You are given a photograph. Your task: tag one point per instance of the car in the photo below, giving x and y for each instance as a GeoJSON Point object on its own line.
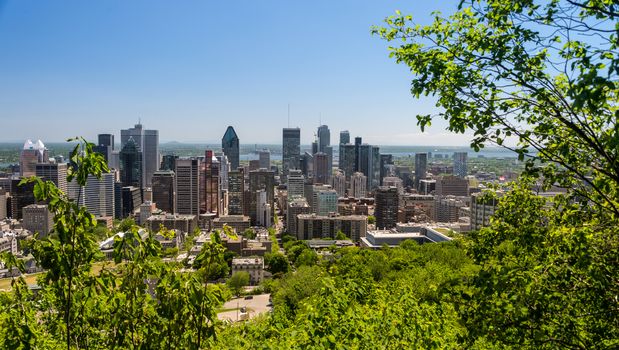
{"type": "Point", "coordinates": [249, 297]}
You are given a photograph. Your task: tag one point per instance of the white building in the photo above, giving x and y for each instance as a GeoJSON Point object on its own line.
{"type": "Point", "coordinates": [253, 266]}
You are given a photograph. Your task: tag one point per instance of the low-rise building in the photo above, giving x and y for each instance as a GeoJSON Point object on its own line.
{"type": "Point", "coordinates": [238, 223]}
{"type": "Point", "coordinates": [310, 226]}
{"type": "Point", "coordinates": [183, 222]}
{"type": "Point", "coordinates": [37, 219]}
{"type": "Point", "coordinates": [421, 233]}
{"type": "Point", "coordinates": [254, 266]}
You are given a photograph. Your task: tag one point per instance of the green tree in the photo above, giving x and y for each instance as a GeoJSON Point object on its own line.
{"type": "Point", "coordinates": [277, 263]}
{"type": "Point", "coordinates": [249, 233]}
{"type": "Point", "coordinates": [237, 281]}
{"type": "Point", "coordinates": [371, 219]}
{"type": "Point", "coordinates": [340, 235]}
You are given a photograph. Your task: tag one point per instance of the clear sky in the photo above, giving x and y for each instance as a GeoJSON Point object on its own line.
{"type": "Point", "coordinates": [191, 68]}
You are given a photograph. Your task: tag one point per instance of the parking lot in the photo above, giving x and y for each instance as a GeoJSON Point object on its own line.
{"type": "Point", "coordinates": [254, 306]}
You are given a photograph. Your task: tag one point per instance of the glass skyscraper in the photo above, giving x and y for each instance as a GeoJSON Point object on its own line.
{"type": "Point", "coordinates": [230, 147]}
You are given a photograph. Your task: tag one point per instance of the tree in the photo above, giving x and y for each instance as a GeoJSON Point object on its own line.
{"type": "Point", "coordinates": [371, 219]}
{"type": "Point", "coordinates": [538, 77]}
{"type": "Point", "coordinates": [340, 235]}
{"type": "Point", "coordinates": [277, 263]}
{"type": "Point", "coordinates": [249, 233]}
{"type": "Point", "coordinates": [237, 281]}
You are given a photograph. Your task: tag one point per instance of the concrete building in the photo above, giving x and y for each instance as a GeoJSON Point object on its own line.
{"type": "Point", "coordinates": [291, 150]}
{"type": "Point", "coordinates": [146, 210]}
{"type": "Point", "coordinates": [188, 186]}
{"type": "Point", "coordinates": [427, 186]}
{"type": "Point", "coordinates": [387, 205]}
{"type": "Point", "coordinates": [311, 226]}
{"type": "Point", "coordinates": [183, 223]}
{"type": "Point", "coordinates": [448, 208]}
{"type": "Point", "coordinates": [238, 223]}
{"type": "Point", "coordinates": [392, 181]}
{"type": "Point", "coordinates": [261, 180]}
{"type": "Point", "coordinates": [164, 190]}
{"type": "Point", "coordinates": [211, 183]}
{"type": "Point", "coordinates": [3, 206]}
{"type": "Point", "coordinates": [38, 219]}
{"type": "Point", "coordinates": [295, 207]}
{"type": "Point", "coordinates": [421, 233]}
{"type": "Point", "coordinates": [482, 208]}
{"type": "Point", "coordinates": [452, 186]}
{"type": "Point", "coordinates": [322, 171]}
{"type": "Point", "coordinates": [347, 161]}
{"type": "Point", "coordinates": [54, 172]}
{"type": "Point", "coordinates": [147, 144]}
{"type": "Point", "coordinates": [358, 185]}
{"type": "Point", "coordinates": [421, 166]}
{"type": "Point", "coordinates": [99, 195]}
{"type": "Point", "coordinates": [8, 242]}
{"type": "Point", "coordinates": [296, 182]}
{"type": "Point", "coordinates": [253, 266]}
{"type": "Point", "coordinates": [31, 155]}
{"type": "Point", "coordinates": [338, 181]}
{"type": "Point", "coordinates": [264, 209]}
{"type": "Point", "coordinates": [236, 190]}
{"type": "Point", "coordinates": [230, 146]}
{"type": "Point", "coordinates": [264, 159]}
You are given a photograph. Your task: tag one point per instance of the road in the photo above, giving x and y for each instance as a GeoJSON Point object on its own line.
{"type": "Point", "coordinates": [255, 307]}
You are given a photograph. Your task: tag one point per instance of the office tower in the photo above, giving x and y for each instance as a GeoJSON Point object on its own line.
{"type": "Point", "coordinates": [386, 211]}
{"type": "Point", "coordinates": [295, 207]}
{"type": "Point", "coordinates": [131, 164]}
{"type": "Point", "coordinates": [338, 182]}
{"type": "Point", "coordinates": [329, 152]}
{"type": "Point", "coordinates": [105, 146]}
{"type": "Point", "coordinates": [230, 146]}
{"type": "Point", "coordinates": [347, 159]}
{"type": "Point", "coordinates": [54, 172]}
{"type": "Point", "coordinates": [187, 186]}
{"type": "Point", "coordinates": [21, 196]}
{"type": "Point", "coordinates": [99, 195]}
{"type": "Point", "coordinates": [224, 170]}
{"type": "Point", "coordinates": [367, 164]}
{"type": "Point", "coordinates": [307, 164]}
{"type": "Point", "coordinates": [291, 149]}
{"type": "Point", "coordinates": [76, 193]}
{"type": "Point", "coordinates": [482, 208]}
{"type": "Point", "coordinates": [386, 163]}
{"type": "Point", "coordinates": [168, 162]}
{"type": "Point", "coordinates": [136, 133]}
{"type": "Point", "coordinates": [314, 147]}
{"type": "Point", "coordinates": [452, 186]}
{"type": "Point", "coordinates": [38, 220]}
{"type": "Point", "coordinates": [236, 190]}
{"type": "Point", "coordinates": [264, 209]}
{"type": "Point", "coordinates": [295, 186]}
{"type": "Point", "coordinates": [460, 164]}
{"type": "Point", "coordinates": [344, 137]}
{"type": "Point", "coordinates": [3, 211]}
{"type": "Point", "coordinates": [321, 168]}
{"type": "Point", "coordinates": [261, 180]}
{"type": "Point", "coordinates": [114, 161]}
{"type": "Point", "coordinates": [254, 164]}
{"type": "Point", "coordinates": [31, 155]}
{"type": "Point", "coordinates": [150, 155]}
{"type": "Point", "coordinates": [375, 181]}
{"type": "Point", "coordinates": [324, 138]}
{"type": "Point", "coordinates": [447, 209]}
{"type": "Point", "coordinates": [164, 190]}
{"type": "Point", "coordinates": [421, 165]}
{"type": "Point", "coordinates": [357, 152]}
{"type": "Point", "coordinates": [324, 201]}
{"type": "Point", "coordinates": [264, 158]}
{"type": "Point", "coordinates": [106, 140]}
{"type": "Point", "coordinates": [131, 200]}
{"type": "Point", "coordinates": [118, 200]}
{"type": "Point", "coordinates": [211, 190]}
{"type": "Point", "coordinates": [358, 185]}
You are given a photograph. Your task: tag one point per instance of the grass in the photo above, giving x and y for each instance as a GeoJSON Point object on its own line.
{"type": "Point", "coordinates": [5, 283]}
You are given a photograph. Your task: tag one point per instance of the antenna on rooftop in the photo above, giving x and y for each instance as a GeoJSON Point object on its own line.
{"type": "Point", "coordinates": [319, 118]}
{"type": "Point", "coordinates": [289, 115]}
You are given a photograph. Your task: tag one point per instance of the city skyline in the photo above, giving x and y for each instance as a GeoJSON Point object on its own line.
{"type": "Point", "coordinates": [320, 59]}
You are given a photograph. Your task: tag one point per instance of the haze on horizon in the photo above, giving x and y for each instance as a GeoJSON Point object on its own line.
{"type": "Point", "coordinates": [190, 69]}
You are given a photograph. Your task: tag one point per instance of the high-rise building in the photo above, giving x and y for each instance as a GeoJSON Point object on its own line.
{"type": "Point", "coordinates": [3, 207]}
{"type": "Point", "coordinates": [230, 146]}
{"type": "Point", "coordinates": [54, 172]}
{"type": "Point", "coordinates": [460, 164]}
{"type": "Point", "coordinates": [321, 168]}
{"type": "Point", "coordinates": [164, 190]}
{"type": "Point", "coordinates": [358, 185]}
{"type": "Point", "coordinates": [296, 207]}
{"type": "Point", "coordinates": [131, 165]}
{"type": "Point", "coordinates": [311, 226]}
{"type": "Point", "coordinates": [324, 138]}
{"type": "Point", "coordinates": [344, 137]}
{"type": "Point", "coordinates": [387, 203]}
{"type": "Point", "coordinates": [212, 188]}
{"type": "Point", "coordinates": [136, 133]}
{"type": "Point", "coordinates": [261, 180]}
{"type": "Point", "coordinates": [324, 202]}
{"type": "Point", "coordinates": [358, 143]}
{"type": "Point", "coordinates": [168, 162]}
{"type": "Point", "coordinates": [375, 168]}
{"type": "Point", "coordinates": [150, 155]}
{"type": "Point", "coordinates": [105, 146]}
{"type": "Point", "coordinates": [482, 208]}
{"type": "Point", "coordinates": [421, 166]}
{"type": "Point", "coordinates": [307, 164]}
{"type": "Point", "coordinates": [236, 190]}
{"type": "Point", "coordinates": [264, 158]}
{"type": "Point", "coordinates": [386, 162]}
{"type": "Point", "coordinates": [188, 186]}
{"type": "Point", "coordinates": [131, 200]}
{"type": "Point", "coordinates": [369, 164]}
{"type": "Point", "coordinates": [347, 159]}
{"type": "Point", "coordinates": [21, 196]}
{"type": "Point", "coordinates": [338, 181]}
{"type": "Point", "coordinates": [264, 209]}
{"type": "Point", "coordinates": [106, 140]}
{"type": "Point", "coordinates": [392, 181]}
{"type": "Point", "coordinates": [291, 150]}
{"type": "Point", "coordinates": [295, 186]}
{"type": "Point", "coordinates": [99, 195]}
{"type": "Point", "coordinates": [31, 155]}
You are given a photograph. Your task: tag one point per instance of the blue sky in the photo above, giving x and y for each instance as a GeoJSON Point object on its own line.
{"type": "Point", "coordinates": [191, 68]}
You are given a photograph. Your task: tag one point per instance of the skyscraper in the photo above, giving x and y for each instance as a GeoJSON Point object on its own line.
{"type": "Point", "coordinates": [347, 159]}
{"type": "Point", "coordinates": [324, 202]}
{"type": "Point", "coordinates": [321, 168]}
{"type": "Point", "coordinates": [324, 138]}
{"type": "Point", "coordinates": [338, 181]}
{"type": "Point", "coordinates": [31, 155]}
{"type": "Point", "coordinates": [386, 211]}
{"type": "Point", "coordinates": [164, 190]}
{"type": "Point", "coordinates": [131, 165]}
{"type": "Point", "coordinates": [212, 182]}
{"type": "Point", "coordinates": [291, 149]}
{"type": "Point", "coordinates": [54, 172]}
{"type": "Point", "coordinates": [99, 195]}
{"type": "Point", "coordinates": [105, 146]}
{"type": "Point", "coordinates": [460, 164]}
{"type": "Point", "coordinates": [150, 155]}
{"type": "Point", "coordinates": [264, 158]}
{"type": "Point", "coordinates": [168, 162]}
{"type": "Point", "coordinates": [358, 185]}
{"type": "Point", "coordinates": [307, 164]}
{"type": "Point", "coordinates": [188, 186]}
{"type": "Point", "coordinates": [344, 137]}
{"type": "Point", "coordinates": [295, 186]}
{"type": "Point", "coordinates": [230, 147]}
{"type": "Point", "coordinates": [236, 190]}
{"type": "Point", "coordinates": [386, 161]}
{"type": "Point", "coordinates": [421, 165]}
{"type": "Point", "coordinates": [357, 152]}
{"type": "Point", "coordinates": [261, 180]}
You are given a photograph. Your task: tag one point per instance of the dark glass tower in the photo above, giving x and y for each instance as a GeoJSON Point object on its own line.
{"type": "Point", "coordinates": [131, 164]}
{"type": "Point", "coordinates": [230, 147]}
{"type": "Point", "coordinates": [291, 149]}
